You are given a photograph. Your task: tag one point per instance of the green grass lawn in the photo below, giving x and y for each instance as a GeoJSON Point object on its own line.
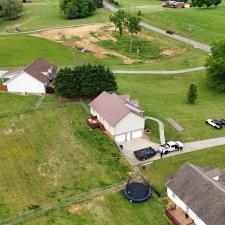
{"type": "Point", "coordinates": [45, 14]}
{"type": "Point", "coordinates": [51, 154]}
{"type": "Point", "coordinates": [12, 102]}
{"type": "Point", "coordinates": [160, 171]}
{"type": "Point", "coordinates": [178, 20]}
{"type": "Point", "coordinates": [111, 209]}
{"type": "Point", "coordinates": [165, 96]}
{"type": "Point", "coordinates": [20, 50]}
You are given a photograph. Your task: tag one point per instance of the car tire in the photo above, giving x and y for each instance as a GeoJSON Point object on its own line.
{"type": "Point", "coordinates": [206, 122]}
{"type": "Point", "coordinates": [181, 149]}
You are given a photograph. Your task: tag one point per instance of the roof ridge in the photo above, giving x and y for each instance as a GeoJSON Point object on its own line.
{"type": "Point", "coordinates": [26, 67]}
{"type": "Point", "coordinates": [195, 167]}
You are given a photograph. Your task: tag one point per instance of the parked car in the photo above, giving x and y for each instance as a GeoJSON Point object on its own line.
{"type": "Point", "coordinates": [213, 123]}
{"type": "Point", "coordinates": [171, 146]}
{"type": "Point", "coordinates": [145, 153]}
{"type": "Point", "coordinates": [170, 32]}
{"type": "Point", "coordinates": [222, 121]}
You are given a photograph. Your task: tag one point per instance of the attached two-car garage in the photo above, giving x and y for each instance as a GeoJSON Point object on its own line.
{"type": "Point", "coordinates": [128, 136]}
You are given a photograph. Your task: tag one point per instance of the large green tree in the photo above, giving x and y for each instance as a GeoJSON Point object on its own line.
{"type": "Point", "coordinates": [74, 9]}
{"type": "Point", "coordinates": [84, 81]}
{"type": "Point", "coordinates": [207, 3]}
{"type": "Point", "coordinates": [119, 20]}
{"type": "Point", "coordinates": [10, 9]}
{"type": "Point", "coordinates": [133, 26]}
{"type": "Point", "coordinates": [216, 66]}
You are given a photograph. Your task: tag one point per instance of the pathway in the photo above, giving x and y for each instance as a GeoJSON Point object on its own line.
{"type": "Point", "coordinates": [193, 43]}
{"type": "Point", "coordinates": [161, 72]}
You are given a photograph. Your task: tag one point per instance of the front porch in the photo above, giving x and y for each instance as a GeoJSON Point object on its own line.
{"type": "Point", "coordinates": [176, 215]}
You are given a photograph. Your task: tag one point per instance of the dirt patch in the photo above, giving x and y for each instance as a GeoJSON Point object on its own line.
{"type": "Point", "coordinates": [167, 52]}
{"type": "Point", "coordinates": [89, 35]}
{"type": "Point", "coordinates": [74, 209]}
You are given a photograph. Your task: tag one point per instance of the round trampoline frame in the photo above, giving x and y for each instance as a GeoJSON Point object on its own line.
{"type": "Point", "coordinates": [131, 196]}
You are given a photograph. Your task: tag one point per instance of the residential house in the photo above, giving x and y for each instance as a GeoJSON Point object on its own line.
{"type": "Point", "coordinates": [200, 193]}
{"type": "Point", "coordinates": [121, 117]}
{"type": "Point", "coordinates": [35, 78]}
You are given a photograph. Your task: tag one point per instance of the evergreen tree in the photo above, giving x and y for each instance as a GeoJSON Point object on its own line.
{"type": "Point", "coordinates": [192, 93]}
{"type": "Point", "coordinates": [84, 81]}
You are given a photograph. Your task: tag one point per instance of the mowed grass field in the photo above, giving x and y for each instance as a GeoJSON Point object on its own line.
{"type": "Point", "coordinates": [178, 20]}
{"type": "Point", "coordinates": [165, 96]}
{"type": "Point", "coordinates": [21, 50]}
{"type": "Point", "coordinates": [50, 154]}
{"type": "Point", "coordinates": [46, 14]}
{"type": "Point", "coordinates": [111, 209]}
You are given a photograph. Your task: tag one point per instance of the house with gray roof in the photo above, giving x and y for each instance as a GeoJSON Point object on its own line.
{"type": "Point", "coordinates": [121, 117]}
{"type": "Point", "coordinates": [200, 193]}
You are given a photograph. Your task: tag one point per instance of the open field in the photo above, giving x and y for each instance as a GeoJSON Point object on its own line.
{"type": "Point", "coordinates": [165, 96]}
{"type": "Point", "coordinates": [51, 154]}
{"type": "Point", "coordinates": [111, 209]}
{"type": "Point", "coordinates": [45, 14]}
{"type": "Point", "coordinates": [178, 20]}
{"type": "Point", "coordinates": [160, 171]}
{"type": "Point", "coordinates": [20, 50]}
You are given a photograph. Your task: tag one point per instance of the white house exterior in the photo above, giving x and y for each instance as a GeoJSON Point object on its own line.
{"type": "Point", "coordinates": [200, 193]}
{"type": "Point", "coordinates": [123, 119]}
{"type": "Point", "coordinates": [33, 79]}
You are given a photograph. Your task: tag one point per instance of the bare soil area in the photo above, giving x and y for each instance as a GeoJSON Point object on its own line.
{"type": "Point", "coordinates": [87, 37]}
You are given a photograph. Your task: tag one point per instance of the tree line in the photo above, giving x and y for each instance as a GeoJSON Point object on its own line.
{"type": "Point", "coordinates": [84, 81]}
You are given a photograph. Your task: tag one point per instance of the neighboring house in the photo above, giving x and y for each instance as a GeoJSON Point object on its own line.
{"type": "Point", "coordinates": [121, 117]}
{"type": "Point", "coordinates": [35, 78]}
{"type": "Point", "coordinates": [174, 4]}
{"type": "Point", "coordinates": [200, 193]}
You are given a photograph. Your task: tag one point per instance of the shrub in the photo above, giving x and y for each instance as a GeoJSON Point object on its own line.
{"type": "Point", "coordinates": [192, 93]}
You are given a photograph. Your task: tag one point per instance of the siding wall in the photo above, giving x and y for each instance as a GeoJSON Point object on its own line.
{"type": "Point", "coordinates": [26, 83]}
{"type": "Point", "coordinates": [184, 207]}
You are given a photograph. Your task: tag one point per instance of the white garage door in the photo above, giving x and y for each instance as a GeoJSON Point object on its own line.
{"type": "Point", "coordinates": [120, 138]}
{"type": "Point", "coordinates": [136, 134]}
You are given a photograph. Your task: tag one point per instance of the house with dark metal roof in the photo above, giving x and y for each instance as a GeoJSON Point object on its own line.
{"type": "Point", "coordinates": [121, 117]}
{"type": "Point", "coordinates": [200, 193]}
{"type": "Point", "coordinates": [34, 78]}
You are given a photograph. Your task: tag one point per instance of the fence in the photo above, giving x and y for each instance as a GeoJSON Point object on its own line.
{"type": "Point", "coordinates": [62, 203]}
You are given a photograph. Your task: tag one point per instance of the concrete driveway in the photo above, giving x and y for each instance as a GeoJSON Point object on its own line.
{"type": "Point", "coordinates": [136, 144]}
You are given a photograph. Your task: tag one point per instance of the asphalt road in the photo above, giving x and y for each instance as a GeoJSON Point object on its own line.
{"type": "Point", "coordinates": [193, 43]}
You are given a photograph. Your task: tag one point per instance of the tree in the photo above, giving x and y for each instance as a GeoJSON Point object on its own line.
{"type": "Point", "coordinates": [192, 93]}
{"type": "Point", "coordinates": [133, 26]}
{"type": "Point", "coordinates": [10, 9]}
{"type": "Point", "coordinates": [216, 66]}
{"type": "Point", "coordinates": [74, 9]}
{"type": "Point", "coordinates": [84, 81]}
{"type": "Point", "coordinates": [119, 19]}
{"type": "Point", "coordinates": [207, 3]}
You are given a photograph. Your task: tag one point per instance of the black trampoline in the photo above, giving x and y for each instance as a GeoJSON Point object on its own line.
{"type": "Point", "coordinates": [137, 190]}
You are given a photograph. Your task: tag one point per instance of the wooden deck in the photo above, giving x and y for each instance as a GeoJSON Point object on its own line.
{"type": "Point", "coordinates": [177, 215]}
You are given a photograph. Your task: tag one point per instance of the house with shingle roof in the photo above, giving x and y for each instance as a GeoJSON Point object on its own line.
{"type": "Point", "coordinates": [200, 193]}
{"type": "Point", "coordinates": [34, 78]}
{"type": "Point", "coordinates": [121, 117]}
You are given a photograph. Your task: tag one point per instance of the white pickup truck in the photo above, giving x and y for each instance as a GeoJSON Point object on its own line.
{"type": "Point", "coordinates": [171, 146]}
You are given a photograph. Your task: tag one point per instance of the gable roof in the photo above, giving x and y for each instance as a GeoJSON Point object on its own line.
{"type": "Point", "coordinates": [112, 107]}
{"type": "Point", "coordinates": [39, 70]}
{"type": "Point", "coordinates": [204, 195]}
